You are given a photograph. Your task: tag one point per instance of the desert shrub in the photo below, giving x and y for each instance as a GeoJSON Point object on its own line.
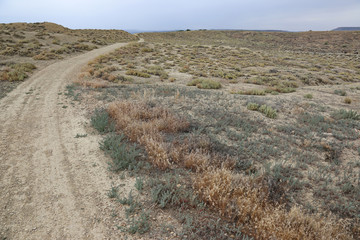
{"type": "Point", "coordinates": [45, 55]}
{"type": "Point", "coordinates": [308, 96]}
{"type": "Point", "coordinates": [347, 100]}
{"type": "Point", "coordinates": [284, 89]}
{"type": "Point", "coordinates": [17, 72]}
{"type": "Point", "coordinates": [157, 71]}
{"type": "Point", "coordinates": [197, 161]}
{"type": "Point", "coordinates": [340, 92]}
{"type": "Point", "coordinates": [346, 114]}
{"type": "Point", "coordinates": [92, 83]}
{"type": "Point", "coordinates": [56, 41]}
{"type": "Point", "coordinates": [16, 75]}
{"type": "Point", "coordinates": [253, 106]}
{"type": "Point", "coordinates": [101, 121]}
{"type": "Point", "coordinates": [9, 51]}
{"type": "Point", "coordinates": [157, 151]}
{"type": "Point", "coordinates": [246, 200]}
{"type": "Point", "coordinates": [145, 124]}
{"type": "Point", "coordinates": [147, 50]}
{"type": "Point", "coordinates": [264, 109]}
{"type": "Point", "coordinates": [205, 84]}
{"type": "Point", "coordinates": [170, 192]}
{"type": "Point", "coordinates": [268, 111]}
{"type": "Point", "coordinates": [138, 73]}
{"type": "Point", "coordinates": [194, 82]}
{"type": "Point", "coordinates": [122, 153]}
{"type": "Point", "coordinates": [209, 84]}
{"type": "Point", "coordinates": [255, 92]}
{"type": "Point", "coordinates": [211, 228]}
{"type": "Point", "coordinates": [123, 79]}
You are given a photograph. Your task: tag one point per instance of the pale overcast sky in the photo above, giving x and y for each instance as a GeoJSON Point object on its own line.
{"type": "Point", "coordinates": [291, 15]}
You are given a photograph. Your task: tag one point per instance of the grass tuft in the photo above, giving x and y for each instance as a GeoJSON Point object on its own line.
{"type": "Point", "coordinates": [205, 84]}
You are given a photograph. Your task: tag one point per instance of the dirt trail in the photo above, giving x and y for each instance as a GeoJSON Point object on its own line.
{"type": "Point", "coordinates": [49, 184]}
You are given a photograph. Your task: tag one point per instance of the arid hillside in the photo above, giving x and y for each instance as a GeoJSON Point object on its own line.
{"type": "Point", "coordinates": [312, 41]}
{"type": "Point", "coordinates": [204, 134]}
{"type": "Point", "coordinates": [262, 128]}
{"type": "Point", "coordinates": [25, 47]}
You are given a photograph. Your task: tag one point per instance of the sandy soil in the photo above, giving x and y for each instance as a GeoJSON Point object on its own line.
{"type": "Point", "coordinates": [52, 185]}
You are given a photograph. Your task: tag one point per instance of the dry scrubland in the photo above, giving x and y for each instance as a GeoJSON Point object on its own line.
{"type": "Point", "coordinates": [26, 47]}
{"type": "Point", "coordinates": [229, 134]}
{"type": "Point", "coordinates": [260, 128]}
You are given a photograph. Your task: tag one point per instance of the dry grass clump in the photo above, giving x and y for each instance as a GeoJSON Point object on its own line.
{"type": "Point", "coordinates": [246, 201]}
{"type": "Point", "coordinates": [197, 161]}
{"type": "Point", "coordinates": [137, 73]}
{"type": "Point", "coordinates": [16, 72]}
{"type": "Point", "coordinates": [92, 83]}
{"type": "Point", "coordinates": [146, 124]}
{"type": "Point", "coordinates": [45, 55]}
{"type": "Point", "coordinates": [157, 151]}
{"type": "Point", "coordinates": [205, 84]}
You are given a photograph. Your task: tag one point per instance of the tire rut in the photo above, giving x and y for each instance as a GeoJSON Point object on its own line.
{"type": "Point", "coordinates": [48, 188]}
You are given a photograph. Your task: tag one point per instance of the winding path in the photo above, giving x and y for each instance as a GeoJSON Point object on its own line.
{"type": "Point", "coordinates": [49, 184]}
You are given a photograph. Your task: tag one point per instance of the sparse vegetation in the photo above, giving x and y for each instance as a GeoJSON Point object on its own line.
{"type": "Point", "coordinates": [230, 166]}
{"type": "Point", "coordinates": [102, 122]}
{"type": "Point", "coordinates": [347, 100]}
{"type": "Point", "coordinates": [205, 84]}
{"type": "Point", "coordinates": [308, 96]}
{"type": "Point", "coordinates": [346, 114]}
{"type": "Point", "coordinates": [16, 72]}
{"type": "Point", "coordinates": [266, 110]}
{"type": "Point", "coordinates": [340, 92]}
{"type": "Point", "coordinates": [33, 45]}
{"type": "Point", "coordinates": [122, 153]}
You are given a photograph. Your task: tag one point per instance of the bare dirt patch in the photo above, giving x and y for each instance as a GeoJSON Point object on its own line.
{"type": "Point", "coordinates": [53, 184]}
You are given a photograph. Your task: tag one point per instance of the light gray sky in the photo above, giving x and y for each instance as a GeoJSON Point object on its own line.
{"type": "Point", "coordinates": [301, 15]}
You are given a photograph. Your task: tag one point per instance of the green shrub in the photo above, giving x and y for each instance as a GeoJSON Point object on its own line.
{"type": "Point", "coordinates": [101, 121]}
{"type": "Point", "coordinates": [194, 82]}
{"type": "Point", "coordinates": [171, 193]}
{"type": "Point", "coordinates": [346, 114]}
{"type": "Point", "coordinates": [308, 96]}
{"type": "Point", "coordinates": [122, 153]}
{"type": "Point", "coordinates": [340, 92]}
{"type": "Point", "coordinates": [205, 84]}
{"type": "Point", "coordinates": [138, 73]}
{"type": "Point", "coordinates": [157, 71]}
{"type": "Point", "coordinates": [138, 224]}
{"type": "Point", "coordinates": [123, 79]}
{"type": "Point", "coordinates": [268, 111]}
{"type": "Point", "coordinates": [285, 89]}
{"type": "Point", "coordinates": [253, 106]}
{"type": "Point", "coordinates": [264, 109]}
{"type": "Point", "coordinates": [255, 92]}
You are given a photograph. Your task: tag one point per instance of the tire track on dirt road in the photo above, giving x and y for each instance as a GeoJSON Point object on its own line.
{"type": "Point", "coordinates": [49, 189]}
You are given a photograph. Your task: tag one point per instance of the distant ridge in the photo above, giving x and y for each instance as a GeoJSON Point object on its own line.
{"type": "Point", "coordinates": [132, 31]}
{"type": "Point", "coordinates": [347, 29]}
{"type": "Point", "coordinates": [250, 30]}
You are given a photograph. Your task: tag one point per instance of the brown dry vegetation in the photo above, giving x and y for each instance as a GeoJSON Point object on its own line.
{"type": "Point", "coordinates": [292, 176]}
{"type": "Point", "coordinates": [264, 72]}
{"type": "Point", "coordinates": [268, 142]}
{"type": "Point", "coordinates": [312, 41]}
{"type": "Point", "coordinates": [295, 176]}
{"type": "Point", "coordinates": [234, 195]}
{"type": "Point", "coordinates": [39, 44]}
